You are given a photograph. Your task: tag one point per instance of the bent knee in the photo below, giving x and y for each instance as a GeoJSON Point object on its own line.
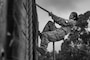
{"type": "Point", "coordinates": [50, 22]}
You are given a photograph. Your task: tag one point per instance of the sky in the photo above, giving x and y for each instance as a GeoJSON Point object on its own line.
{"type": "Point", "coordinates": [61, 8]}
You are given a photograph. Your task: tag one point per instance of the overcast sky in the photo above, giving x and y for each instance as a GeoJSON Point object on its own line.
{"type": "Point", "coordinates": [61, 8]}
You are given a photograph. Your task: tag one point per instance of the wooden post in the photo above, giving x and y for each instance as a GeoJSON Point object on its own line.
{"type": "Point", "coordinates": [26, 30]}
{"type": "Point", "coordinates": [3, 27]}
{"type": "Point", "coordinates": [35, 29]}
{"type": "Point", "coordinates": [53, 50]}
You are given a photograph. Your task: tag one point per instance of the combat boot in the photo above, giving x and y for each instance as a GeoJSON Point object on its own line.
{"type": "Point", "coordinates": [43, 52]}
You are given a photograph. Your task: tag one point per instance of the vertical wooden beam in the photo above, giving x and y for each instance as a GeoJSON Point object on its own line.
{"type": "Point", "coordinates": [35, 29]}
{"type": "Point", "coordinates": [3, 21]}
{"type": "Point", "coordinates": [26, 30]}
{"type": "Point", "coordinates": [20, 35]}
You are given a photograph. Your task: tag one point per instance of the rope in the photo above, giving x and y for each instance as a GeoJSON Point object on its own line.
{"type": "Point", "coordinates": [30, 30]}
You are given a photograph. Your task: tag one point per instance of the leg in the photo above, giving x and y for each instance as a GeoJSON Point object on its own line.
{"type": "Point", "coordinates": [50, 36]}
{"type": "Point", "coordinates": [55, 35]}
{"type": "Point", "coordinates": [43, 46]}
{"type": "Point", "coordinates": [50, 26]}
{"type": "Point", "coordinates": [44, 43]}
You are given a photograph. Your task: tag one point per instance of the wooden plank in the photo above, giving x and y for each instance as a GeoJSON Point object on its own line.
{"type": "Point", "coordinates": [3, 20]}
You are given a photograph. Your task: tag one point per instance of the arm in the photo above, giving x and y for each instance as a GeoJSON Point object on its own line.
{"type": "Point", "coordinates": [59, 20]}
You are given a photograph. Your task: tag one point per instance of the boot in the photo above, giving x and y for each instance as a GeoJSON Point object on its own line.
{"type": "Point", "coordinates": [40, 34]}
{"type": "Point", "coordinates": [43, 52]}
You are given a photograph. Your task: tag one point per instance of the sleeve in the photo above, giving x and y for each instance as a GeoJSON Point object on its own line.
{"type": "Point", "coordinates": [71, 22]}
{"type": "Point", "coordinates": [59, 20]}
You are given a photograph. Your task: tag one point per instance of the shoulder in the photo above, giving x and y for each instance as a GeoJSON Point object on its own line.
{"type": "Point", "coordinates": [72, 22]}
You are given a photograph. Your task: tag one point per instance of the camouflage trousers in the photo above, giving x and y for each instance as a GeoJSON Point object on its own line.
{"type": "Point", "coordinates": [51, 33]}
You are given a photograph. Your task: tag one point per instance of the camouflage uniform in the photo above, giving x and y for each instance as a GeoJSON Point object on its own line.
{"type": "Point", "coordinates": [51, 33]}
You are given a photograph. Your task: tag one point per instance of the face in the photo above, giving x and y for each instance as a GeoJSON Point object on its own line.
{"type": "Point", "coordinates": [72, 16]}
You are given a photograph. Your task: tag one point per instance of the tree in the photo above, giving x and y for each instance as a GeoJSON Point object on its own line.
{"type": "Point", "coordinates": [77, 46]}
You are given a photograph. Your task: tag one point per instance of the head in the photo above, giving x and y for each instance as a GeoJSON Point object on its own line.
{"type": "Point", "coordinates": [73, 16]}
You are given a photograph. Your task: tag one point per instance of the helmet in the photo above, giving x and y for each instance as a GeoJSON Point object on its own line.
{"type": "Point", "coordinates": [73, 16]}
